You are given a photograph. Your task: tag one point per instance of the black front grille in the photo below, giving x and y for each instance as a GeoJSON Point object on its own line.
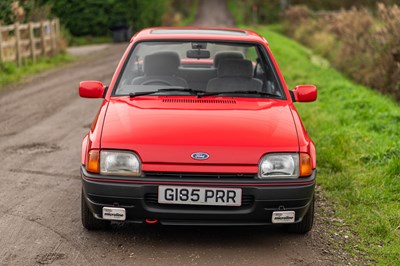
{"type": "Point", "coordinates": [199, 175]}
{"type": "Point", "coordinates": [151, 199]}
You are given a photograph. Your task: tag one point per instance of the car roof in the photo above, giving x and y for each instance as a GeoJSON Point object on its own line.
{"type": "Point", "coordinates": [198, 33]}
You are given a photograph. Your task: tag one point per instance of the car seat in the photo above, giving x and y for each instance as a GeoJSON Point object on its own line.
{"type": "Point", "coordinates": [160, 69]}
{"type": "Point", "coordinates": [234, 74]}
{"type": "Point", "coordinates": [226, 55]}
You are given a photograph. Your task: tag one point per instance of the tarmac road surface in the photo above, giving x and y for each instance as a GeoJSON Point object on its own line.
{"type": "Point", "coordinates": [42, 123]}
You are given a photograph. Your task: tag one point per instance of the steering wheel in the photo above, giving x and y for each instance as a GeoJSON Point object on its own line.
{"type": "Point", "coordinates": [156, 82]}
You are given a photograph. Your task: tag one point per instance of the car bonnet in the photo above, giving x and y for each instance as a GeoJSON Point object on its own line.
{"type": "Point", "coordinates": [170, 129]}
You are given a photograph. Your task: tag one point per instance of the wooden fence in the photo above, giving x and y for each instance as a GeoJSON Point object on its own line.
{"type": "Point", "coordinates": [22, 41]}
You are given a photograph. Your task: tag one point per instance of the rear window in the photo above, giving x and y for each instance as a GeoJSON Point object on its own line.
{"type": "Point", "coordinates": [210, 67]}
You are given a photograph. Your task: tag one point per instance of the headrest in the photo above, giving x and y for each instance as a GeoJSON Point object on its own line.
{"type": "Point", "coordinates": [161, 64]}
{"type": "Point", "coordinates": [235, 68]}
{"type": "Point", "coordinates": [226, 55]}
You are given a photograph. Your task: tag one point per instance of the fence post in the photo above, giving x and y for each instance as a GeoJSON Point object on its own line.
{"type": "Point", "coordinates": [32, 42]}
{"type": "Point", "coordinates": [17, 43]}
{"type": "Point", "coordinates": [42, 37]}
{"type": "Point", "coordinates": [58, 27]}
{"type": "Point", "coordinates": [1, 45]}
{"type": "Point", "coordinates": [52, 37]}
{"type": "Point", "coordinates": [57, 30]}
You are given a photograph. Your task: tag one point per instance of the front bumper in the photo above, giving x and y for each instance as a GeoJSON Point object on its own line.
{"type": "Point", "coordinates": [139, 198]}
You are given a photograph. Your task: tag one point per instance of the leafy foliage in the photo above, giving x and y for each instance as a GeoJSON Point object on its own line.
{"type": "Point", "coordinates": [267, 11]}
{"type": "Point", "coordinates": [15, 11]}
{"type": "Point", "coordinates": [340, 4]}
{"type": "Point", "coordinates": [362, 45]}
{"type": "Point", "coordinates": [6, 14]}
{"type": "Point", "coordinates": [180, 12]}
{"type": "Point", "coordinates": [255, 11]}
{"type": "Point", "coordinates": [98, 17]}
{"type": "Point", "coordinates": [88, 17]}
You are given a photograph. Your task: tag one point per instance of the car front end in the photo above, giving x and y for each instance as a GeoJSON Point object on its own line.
{"type": "Point", "coordinates": [184, 140]}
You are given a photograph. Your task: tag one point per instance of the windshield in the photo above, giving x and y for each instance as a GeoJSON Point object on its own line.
{"type": "Point", "coordinates": [208, 68]}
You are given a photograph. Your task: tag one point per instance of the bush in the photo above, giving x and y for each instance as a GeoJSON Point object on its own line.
{"type": "Point", "coordinates": [180, 12]}
{"type": "Point", "coordinates": [363, 45]}
{"type": "Point", "coordinates": [340, 4]}
{"type": "Point", "coordinates": [388, 38]}
{"type": "Point", "coordinates": [12, 11]}
{"type": "Point", "coordinates": [255, 11]}
{"type": "Point", "coordinates": [89, 17]}
{"type": "Point", "coordinates": [146, 13]}
{"type": "Point", "coordinates": [98, 17]}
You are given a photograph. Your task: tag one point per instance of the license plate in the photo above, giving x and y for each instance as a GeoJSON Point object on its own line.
{"type": "Point", "coordinates": [283, 217]}
{"type": "Point", "coordinates": [200, 196]}
{"type": "Point", "coordinates": [110, 213]}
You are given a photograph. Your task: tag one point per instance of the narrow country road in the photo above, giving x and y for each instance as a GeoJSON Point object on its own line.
{"type": "Point", "coordinates": [213, 13]}
{"type": "Point", "coordinates": [42, 123]}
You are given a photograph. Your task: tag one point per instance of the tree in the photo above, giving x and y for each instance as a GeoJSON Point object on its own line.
{"type": "Point", "coordinates": [97, 17]}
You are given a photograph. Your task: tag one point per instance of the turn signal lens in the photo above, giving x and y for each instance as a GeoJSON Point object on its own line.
{"type": "Point", "coordinates": [305, 164]}
{"type": "Point", "coordinates": [93, 161]}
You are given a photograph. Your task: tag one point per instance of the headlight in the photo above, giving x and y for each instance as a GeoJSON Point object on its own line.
{"type": "Point", "coordinates": [119, 163]}
{"type": "Point", "coordinates": [275, 165]}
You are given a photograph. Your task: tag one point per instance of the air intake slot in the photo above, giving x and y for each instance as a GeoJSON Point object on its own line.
{"type": "Point", "coordinates": [199, 101]}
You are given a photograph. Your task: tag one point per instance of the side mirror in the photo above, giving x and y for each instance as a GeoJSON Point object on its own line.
{"type": "Point", "coordinates": [91, 89]}
{"type": "Point", "coordinates": [304, 93]}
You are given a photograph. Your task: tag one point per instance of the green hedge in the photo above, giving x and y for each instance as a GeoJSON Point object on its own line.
{"type": "Point", "coordinates": [7, 14]}
{"type": "Point", "coordinates": [98, 17]}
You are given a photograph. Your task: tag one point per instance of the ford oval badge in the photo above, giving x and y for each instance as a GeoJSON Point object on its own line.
{"type": "Point", "coordinates": [200, 156]}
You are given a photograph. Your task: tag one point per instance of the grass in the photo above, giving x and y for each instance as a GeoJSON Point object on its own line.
{"type": "Point", "coordinates": [10, 73]}
{"type": "Point", "coordinates": [357, 135]}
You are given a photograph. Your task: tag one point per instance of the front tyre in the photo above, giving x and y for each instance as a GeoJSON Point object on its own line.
{"type": "Point", "coordinates": [306, 224]}
{"type": "Point", "coordinates": [88, 220]}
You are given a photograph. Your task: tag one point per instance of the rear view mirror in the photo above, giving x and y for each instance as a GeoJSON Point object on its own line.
{"type": "Point", "coordinates": [198, 54]}
{"type": "Point", "coordinates": [304, 93]}
{"type": "Point", "coordinates": [91, 89]}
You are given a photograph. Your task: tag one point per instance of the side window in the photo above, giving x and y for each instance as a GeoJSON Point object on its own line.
{"type": "Point", "coordinates": [254, 56]}
{"type": "Point", "coordinates": [251, 54]}
{"type": "Point", "coordinates": [264, 73]}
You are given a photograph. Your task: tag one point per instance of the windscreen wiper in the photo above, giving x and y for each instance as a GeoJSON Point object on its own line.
{"type": "Point", "coordinates": [178, 89]}
{"type": "Point", "coordinates": [236, 92]}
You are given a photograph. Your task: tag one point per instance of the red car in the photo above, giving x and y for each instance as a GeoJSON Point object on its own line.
{"type": "Point", "coordinates": [198, 127]}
